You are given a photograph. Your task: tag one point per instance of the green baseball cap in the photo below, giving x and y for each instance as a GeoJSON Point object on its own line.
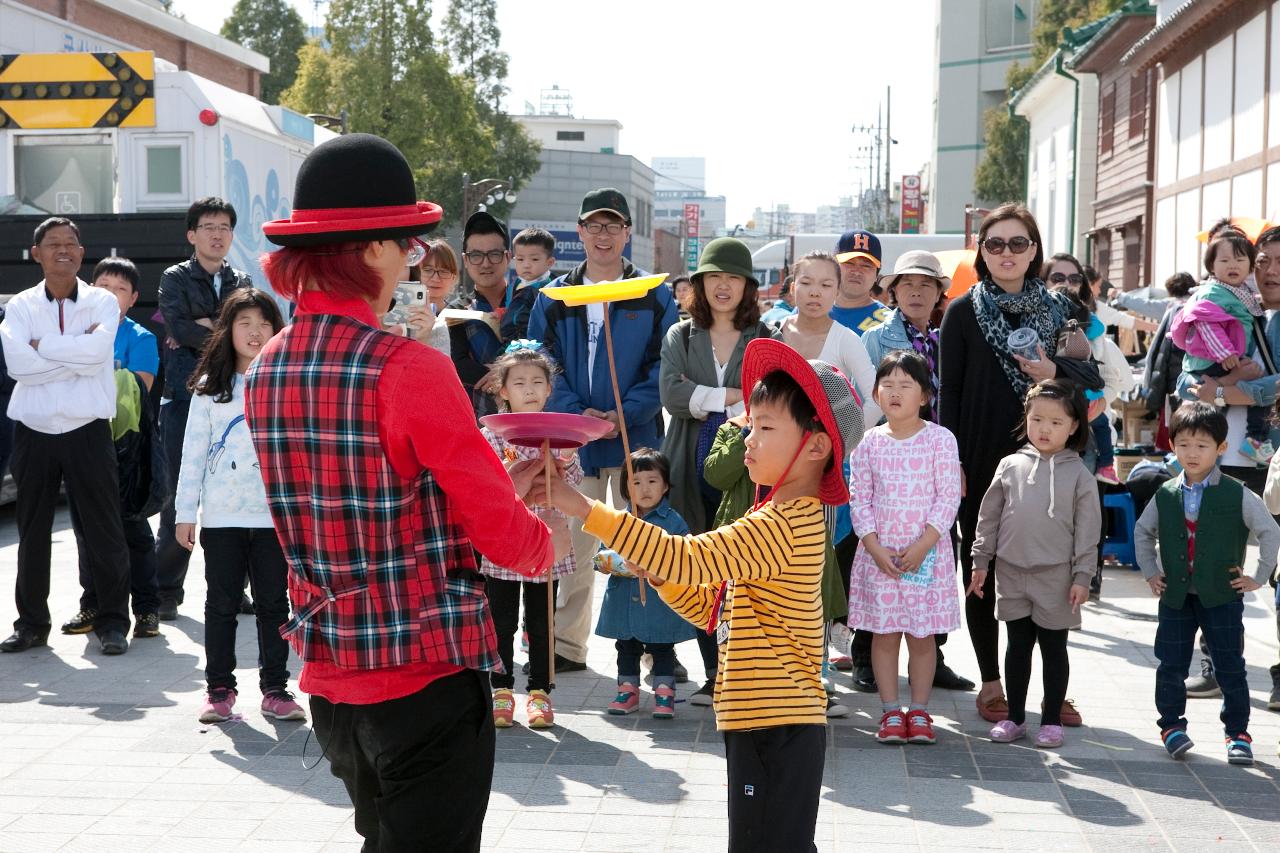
{"type": "Point", "coordinates": [606, 199]}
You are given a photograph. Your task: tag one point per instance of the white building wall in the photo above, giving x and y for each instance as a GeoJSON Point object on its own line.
{"type": "Point", "coordinates": [1250, 79]}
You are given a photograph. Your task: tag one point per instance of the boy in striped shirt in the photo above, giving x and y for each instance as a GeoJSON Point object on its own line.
{"type": "Point", "coordinates": [756, 583]}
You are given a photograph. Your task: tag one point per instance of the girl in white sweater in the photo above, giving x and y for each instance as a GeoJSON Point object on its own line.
{"type": "Point", "coordinates": [221, 477]}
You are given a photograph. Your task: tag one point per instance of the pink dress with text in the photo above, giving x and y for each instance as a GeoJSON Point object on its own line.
{"type": "Point", "coordinates": [896, 487]}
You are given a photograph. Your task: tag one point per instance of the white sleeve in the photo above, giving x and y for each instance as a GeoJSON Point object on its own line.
{"type": "Point", "coordinates": [87, 353]}
{"type": "Point", "coordinates": [705, 400]}
{"type": "Point", "coordinates": [1111, 317]}
{"type": "Point", "coordinates": [23, 362]}
{"type": "Point", "coordinates": [857, 366]}
{"type": "Point", "coordinates": [195, 453]}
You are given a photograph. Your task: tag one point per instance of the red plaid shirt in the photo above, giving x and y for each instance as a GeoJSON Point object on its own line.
{"type": "Point", "coordinates": [378, 501]}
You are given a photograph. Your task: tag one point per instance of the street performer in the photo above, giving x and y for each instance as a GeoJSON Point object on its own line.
{"type": "Point", "coordinates": [382, 489]}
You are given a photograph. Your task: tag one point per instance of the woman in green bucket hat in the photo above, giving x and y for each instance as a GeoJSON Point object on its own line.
{"type": "Point", "coordinates": [701, 386]}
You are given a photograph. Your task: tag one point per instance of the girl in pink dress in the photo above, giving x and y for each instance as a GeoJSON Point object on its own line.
{"type": "Point", "coordinates": [904, 493]}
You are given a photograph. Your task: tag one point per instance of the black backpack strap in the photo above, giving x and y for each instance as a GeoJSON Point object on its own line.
{"type": "Point", "coordinates": [1260, 335]}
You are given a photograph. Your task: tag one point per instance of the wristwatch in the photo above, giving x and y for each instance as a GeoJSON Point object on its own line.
{"type": "Point", "coordinates": [1219, 399]}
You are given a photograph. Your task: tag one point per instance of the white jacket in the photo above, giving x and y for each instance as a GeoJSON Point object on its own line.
{"type": "Point", "coordinates": [220, 472]}
{"type": "Point", "coordinates": [69, 381]}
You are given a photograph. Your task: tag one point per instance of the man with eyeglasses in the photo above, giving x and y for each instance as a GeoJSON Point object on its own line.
{"type": "Point", "coordinates": [486, 255]}
{"type": "Point", "coordinates": [191, 295]}
{"type": "Point", "coordinates": [59, 344]}
{"type": "Point", "coordinates": [1244, 393]}
{"type": "Point", "coordinates": [574, 337]}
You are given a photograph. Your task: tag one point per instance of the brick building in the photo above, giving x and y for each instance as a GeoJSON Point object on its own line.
{"type": "Point", "coordinates": [50, 26]}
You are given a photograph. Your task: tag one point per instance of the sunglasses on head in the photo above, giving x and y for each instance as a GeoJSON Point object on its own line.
{"type": "Point", "coordinates": [1059, 278]}
{"type": "Point", "coordinates": [996, 245]}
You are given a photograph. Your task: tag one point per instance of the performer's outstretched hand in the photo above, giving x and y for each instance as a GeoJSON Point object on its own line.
{"type": "Point", "coordinates": [523, 474]}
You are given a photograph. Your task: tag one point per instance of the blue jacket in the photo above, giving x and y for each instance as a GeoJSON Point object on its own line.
{"type": "Point", "coordinates": [623, 617]}
{"type": "Point", "coordinates": [889, 336]}
{"type": "Point", "coordinates": [639, 325]}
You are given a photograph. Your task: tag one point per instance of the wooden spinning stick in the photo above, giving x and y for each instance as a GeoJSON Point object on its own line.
{"type": "Point", "coordinates": [551, 595]}
{"type": "Point", "coordinates": [622, 418]}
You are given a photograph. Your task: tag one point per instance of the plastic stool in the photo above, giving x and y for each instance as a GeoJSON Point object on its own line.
{"type": "Point", "coordinates": [1119, 544]}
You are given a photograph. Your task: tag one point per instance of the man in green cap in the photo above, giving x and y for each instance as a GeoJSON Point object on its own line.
{"type": "Point", "coordinates": [574, 336]}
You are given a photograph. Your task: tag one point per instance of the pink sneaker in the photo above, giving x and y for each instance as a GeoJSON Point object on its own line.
{"type": "Point", "coordinates": [281, 705]}
{"type": "Point", "coordinates": [1007, 731]}
{"type": "Point", "coordinates": [627, 701]}
{"type": "Point", "coordinates": [218, 703]}
{"type": "Point", "coordinates": [1049, 737]}
{"type": "Point", "coordinates": [664, 702]}
{"type": "Point", "coordinates": [1108, 475]}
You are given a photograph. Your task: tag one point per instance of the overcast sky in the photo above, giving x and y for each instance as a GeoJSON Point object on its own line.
{"type": "Point", "coordinates": [768, 100]}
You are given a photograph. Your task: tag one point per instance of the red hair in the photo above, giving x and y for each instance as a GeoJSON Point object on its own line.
{"type": "Point", "coordinates": [338, 269]}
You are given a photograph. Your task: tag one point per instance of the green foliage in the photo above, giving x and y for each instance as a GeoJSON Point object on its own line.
{"type": "Point", "coordinates": [274, 29]}
{"type": "Point", "coordinates": [384, 67]}
{"type": "Point", "coordinates": [472, 38]}
{"type": "Point", "coordinates": [1002, 174]}
{"type": "Point", "coordinates": [1056, 15]}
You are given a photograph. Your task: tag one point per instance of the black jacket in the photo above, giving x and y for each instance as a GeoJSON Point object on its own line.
{"type": "Point", "coordinates": [187, 295]}
{"type": "Point", "coordinates": [1164, 364]}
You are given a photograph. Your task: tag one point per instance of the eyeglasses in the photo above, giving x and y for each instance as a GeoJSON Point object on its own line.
{"type": "Point", "coordinates": [211, 229]}
{"type": "Point", "coordinates": [416, 248]}
{"type": "Point", "coordinates": [611, 228]}
{"type": "Point", "coordinates": [432, 272]}
{"type": "Point", "coordinates": [1059, 278]}
{"type": "Point", "coordinates": [494, 256]}
{"type": "Point", "coordinates": [996, 245]}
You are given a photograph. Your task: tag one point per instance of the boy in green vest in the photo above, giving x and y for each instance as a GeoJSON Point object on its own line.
{"type": "Point", "coordinates": [1199, 523]}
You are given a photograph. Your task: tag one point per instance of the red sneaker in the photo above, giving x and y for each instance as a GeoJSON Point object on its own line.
{"type": "Point", "coordinates": [893, 728]}
{"type": "Point", "coordinates": [920, 727]}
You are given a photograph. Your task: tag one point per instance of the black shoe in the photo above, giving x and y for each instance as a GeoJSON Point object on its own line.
{"type": "Point", "coordinates": [948, 679]}
{"type": "Point", "coordinates": [563, 664]}
{"type": "Point", "coordinates": [864, 679]}
{"type": "Point", "coordinates": [113, 641]}
{"type": "Point", "coordinates": [704, 694]}
{"type": "Point", "coordinates": [148, 625]}
{"type": "Point", "coordinates": [81, 623]}
{"type": "Point", "coordinates": [682, 674]}
{"type": "Point", "coordinates": [246, 606]}
{"type": "Point", "coordinates": [1204, 685]}
{"type": "Point", "coordinates": [168, 610]}
{"type": "Point", "coordinates": [25, 638]}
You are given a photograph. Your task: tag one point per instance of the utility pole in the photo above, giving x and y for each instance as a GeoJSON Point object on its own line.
{"type": "Point", "coordinates": [888, 149]}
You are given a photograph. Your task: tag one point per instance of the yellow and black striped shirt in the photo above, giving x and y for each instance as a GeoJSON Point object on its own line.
{"type": "Point", "coordinates": [771, 667]}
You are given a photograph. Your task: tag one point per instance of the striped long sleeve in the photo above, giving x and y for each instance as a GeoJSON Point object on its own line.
{"type": "Point", "coordinates": [772, 559]}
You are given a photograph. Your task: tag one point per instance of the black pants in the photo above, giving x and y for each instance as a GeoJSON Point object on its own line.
{"type": "Point", "coordinates": [172, 559]}
{"type": "Point", "coordinates": [417, 769]}
{"type": "Point", "coordinates": [709, 651]}
{"type": "Point", "coordinates": [979, 613]}
{"type": "Point", "coordinates": [775, 779]}
{"type": "Point", "coordinates": [229, 554]}
{"type": "Point", "coordinates": [143, 591]}
{"type": "Point", "coordinates": [504, 606]}
{"type": "Point", "coordinates": [86, 459]}
{"type": "Point", "coordinates": [1023, 636]}
{"type": "Point", "coordinates": [629, 654]}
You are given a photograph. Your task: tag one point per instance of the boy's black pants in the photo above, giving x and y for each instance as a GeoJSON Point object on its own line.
{"type": "Point", "coordinates": [775, 780]}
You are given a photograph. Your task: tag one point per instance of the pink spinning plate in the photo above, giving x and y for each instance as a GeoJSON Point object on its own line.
{"type": "Point", "coordinates": [531, 429]}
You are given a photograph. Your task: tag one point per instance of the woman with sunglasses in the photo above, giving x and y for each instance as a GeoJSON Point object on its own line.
{"type": "Point", "coordinates": [982, 390]}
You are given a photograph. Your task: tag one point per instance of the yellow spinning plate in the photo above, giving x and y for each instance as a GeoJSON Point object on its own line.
{"type": "Point", "coordinates": [605, 291]}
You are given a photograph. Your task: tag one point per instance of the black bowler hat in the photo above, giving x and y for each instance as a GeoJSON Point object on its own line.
{"type": "Point", "coordinates": [353, 188]}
